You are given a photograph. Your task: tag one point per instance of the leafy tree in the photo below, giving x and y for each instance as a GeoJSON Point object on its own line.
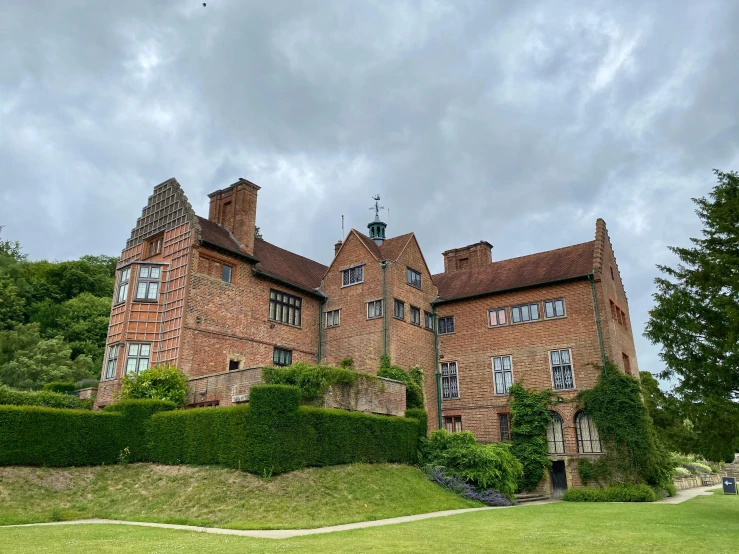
{"type": "Point", "coordinates": [12, 304]}
{"type": "Point", "coordinates": [696, 317]}
{"type": "Point", "coordinates": [158, 383]}
{"type": "Point", "coordinates": [21, 337]}
{"type": "Point", "coordinates": [47, 361]}
{"type": "Point", "coordinates": [670, 416]}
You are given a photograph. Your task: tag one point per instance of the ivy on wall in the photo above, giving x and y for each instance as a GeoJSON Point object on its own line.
{"type": "Point", "coordinates": [529, 420]}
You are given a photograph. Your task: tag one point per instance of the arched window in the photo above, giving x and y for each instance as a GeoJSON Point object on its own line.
{"type": "Point", "coordinates": [556, 434]}
{"type": "Point", "coordinates": [588, 441]}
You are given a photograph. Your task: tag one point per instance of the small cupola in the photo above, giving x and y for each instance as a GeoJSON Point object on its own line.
{"type": "Point", "coordinates": [377, 227]}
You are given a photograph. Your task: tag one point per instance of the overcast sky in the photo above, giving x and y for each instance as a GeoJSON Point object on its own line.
{"type": "Point", "coordinates": [518, 123]}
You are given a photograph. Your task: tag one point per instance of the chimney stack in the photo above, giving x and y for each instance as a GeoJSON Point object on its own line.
{"type": "Point", "coordinates": [466, 257]}
{"type": "Point", "coordinates": [235, 208]}
{"type": "Point", "coordinates": [337, 246]}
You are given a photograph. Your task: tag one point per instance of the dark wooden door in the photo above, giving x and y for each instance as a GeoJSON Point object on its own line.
{"type": "Point", "coordinates": [559, 478]}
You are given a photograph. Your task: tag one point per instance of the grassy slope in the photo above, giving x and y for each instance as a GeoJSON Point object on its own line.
{"type": "Point", "coordinates": [220, 497]}
{"type": "Point", "coordinates": [704, 524]}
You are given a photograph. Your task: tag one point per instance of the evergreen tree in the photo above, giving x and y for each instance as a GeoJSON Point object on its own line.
{"type": "Point", "coordinates": [696, 319]}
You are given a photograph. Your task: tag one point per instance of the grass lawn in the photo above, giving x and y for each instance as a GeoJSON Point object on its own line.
{"type": "Point", "coordinates": [217, 497]}
{"type": "Point", "coordinates": [704, 524]}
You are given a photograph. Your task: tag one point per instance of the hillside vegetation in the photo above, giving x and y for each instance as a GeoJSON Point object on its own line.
{"type": "Point", "coordinates": [218, 497]}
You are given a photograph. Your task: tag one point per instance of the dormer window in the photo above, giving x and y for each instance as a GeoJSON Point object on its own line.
{"type": "Point", "coordinates": [352, 276]}
{"type": "Point", "coordinates": [154, 245]}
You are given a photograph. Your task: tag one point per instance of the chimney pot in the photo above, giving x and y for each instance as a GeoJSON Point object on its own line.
{"type": "Point", "coordinates": [337, 246]}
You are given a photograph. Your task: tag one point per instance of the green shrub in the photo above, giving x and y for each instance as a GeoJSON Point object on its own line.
{"type": "Point", "coordinates": [681, 472]}
{"type": "Point", "coordinates": [36, 436]}
{"type": "Point", "coordinates": [137, 414]}
{"type": "Point", "coordinates": [702, 468]}
{"type": "Point", "coordinates": [486, 466]}
{"type": "Point", "coordinates": [47, 399]}
{"type": "Point", "coordinates": [529, 420]}
{"type": "Point", "coordinates": [422, 417]}
{"type": "Point", "coordinates": [156, 383]}
{"type": "Point", "coordinates": [312, 380]}
{"type": "Point", "coordinates": [64, 388]}
{"type": "Point", "coordinates": [614, 493]}
{"type": "Point", "coordinates": [412, 378]}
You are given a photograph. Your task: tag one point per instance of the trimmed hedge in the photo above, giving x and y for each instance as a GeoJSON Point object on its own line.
{"type": "Point", "coordinates": [137, 414]}
{"type": "Point", "coordinates": [274, 435]}
{"type": "Point", "coordinates": [57, 386]}
{"type": "Point", "coordinates": [614, 493]}
{"type": "Point", "coordinates": [48, 399]}
{"type": "Point", "coordinates": [36, 436]}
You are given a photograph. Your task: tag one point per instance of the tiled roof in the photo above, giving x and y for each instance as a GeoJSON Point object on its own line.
{"type": "Point", "coordinates": [273, 260]}
{"type": "Point", "coordinates": [390, 248]}
{"type": "Point", "coordinates": [534, 269]}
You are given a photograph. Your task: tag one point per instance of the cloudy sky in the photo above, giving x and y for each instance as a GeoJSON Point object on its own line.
{"type": "Point", "coordinates": [518, 123]}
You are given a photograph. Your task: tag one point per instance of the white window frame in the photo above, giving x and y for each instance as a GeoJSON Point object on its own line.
{"type": "Point", "coordinates": [448, 376]}
{"type": "Point", "coordinates": [351, 272]}
{"type": "Point", "coordinates": [527, 305]}
{"type": "Point", "coordinates": [553, 444]}
{"type": "Point", "coordinates": [124, 280]}
{"type": "Point", "coordinates": [497, 323]}
{"type": "Point", "coordinates": [553, 301]}
{"type": "Point", "coordinates": [139, 356]}
{"type": "Point", "coordinates": [503, 371]}
{"type": "Point", "coordinates": [382, 309]}
{"type": "Point", "coordinates": [581, 441]}
{"type": "Point", "coordinates": [571, 364]}
{"type": "Point", "coordinates": [111, 361]}
{"type": "Point", "coordinates": [335, 318]}
{"type": "Point", "coordinates": [149, 283]}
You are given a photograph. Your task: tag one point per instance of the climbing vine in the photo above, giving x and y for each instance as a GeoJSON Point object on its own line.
{"type": "Point", "coordinates": [529, 420]}
{"type": "Point", "coordinates": [633, 452]}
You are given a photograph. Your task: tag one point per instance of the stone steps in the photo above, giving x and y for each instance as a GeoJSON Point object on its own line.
{"type": "Point", "coordinates": [531, 497]}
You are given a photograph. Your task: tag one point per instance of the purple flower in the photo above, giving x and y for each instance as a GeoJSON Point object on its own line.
{"type": "Point", "coordinates": [489, 497]}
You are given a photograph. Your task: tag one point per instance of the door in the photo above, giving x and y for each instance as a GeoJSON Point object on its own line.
{"type": "Point", "coordinates": [559, 478]}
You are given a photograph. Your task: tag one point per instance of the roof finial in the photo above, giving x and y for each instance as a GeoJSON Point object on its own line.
{"type": "Point", "coordinates": [377, 207]}
{"type": "Point", "coordinates": [377, 227]}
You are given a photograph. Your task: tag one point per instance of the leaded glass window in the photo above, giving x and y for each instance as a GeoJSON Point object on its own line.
{"type": "Point", "coordinates": [374, 309]}
{"type": "Point", "coordinates": [562, 376]}
{"type": "Point", "coordinates": [111, 363]}
{"type": "Point", "coordinates": [147, 286]}
{"type": "Point", "coordinates": [555, 434]}
{"type": "Point", "coordinates": [285, 308]}
{"type": "Point", "coordinates": [588, 440]}
{"type": "Point", "coordinates": [352, 276]}
{"type": "Point", "coordinates": [282, 357]}
{"type": "Point", "coordinates": [449, 383]}
{"type": "Point", "coordinates": [137, 359]}
{"type": "Point", "coordinates": [502, 374]}
{"type": "Point", "coordinates": [124, 276]}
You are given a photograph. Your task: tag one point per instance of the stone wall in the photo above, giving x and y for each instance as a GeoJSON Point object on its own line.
{"type": "Point", "coordinates": [84, 394]}
{"type": "Point", "coordinates": [703, 480]}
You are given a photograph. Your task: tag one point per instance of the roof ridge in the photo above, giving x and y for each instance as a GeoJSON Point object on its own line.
{"type": "Point", "coordinates": [291, 252]}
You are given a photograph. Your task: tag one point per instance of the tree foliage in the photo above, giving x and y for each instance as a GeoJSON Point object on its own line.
{"type": "Point", "coordinates": [529, 419]}
{"type": "Point", "coordinates": [413, 379]}
{"type": "Point", "coordinates": [671, 419]}
{"type": "Point", "coordinates": [156, 383]}
{"type": "Point", "coordinates": [696, 317]}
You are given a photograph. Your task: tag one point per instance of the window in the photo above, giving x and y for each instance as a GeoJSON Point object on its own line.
{"type": "Point", "coordinates": [154, 246]}
{"type": "Point", "coordinates": [111, 364]}
{"type": "Point", "coordinates": [282, 357]}
{"type": "Point", "coordinates": [502, 374]}
{"type": "Point", "coordinates": [504, 421]}
{"type": "Point", "coordinates": [352, 276]}
{"type": "Point", "coordinates": [374, 309]}
{"type": "Point", "coordinates": [413, 278]}
{"type": "Point", "coordinates": [562, 370]}
{"type": "Point", "coordinates": [627, 363]}
{"type": "Point", "coordinates": [527, 312]}
{"type": "Point", "coordinates": [233, 365]}
{"type": "Point", "coordinates": [284, 308]}
{"type": "Point", "coordinates": [554, 308]}
{"type": "Point", "coordinates": [623, 319]}
{"type": "Point", "coordinates": [399, 309]}
{"type": "Point", "coordinates": [555, 434]}
{"type": "Point", "coordinates": [333, 318]}
{"type": "Point", "coordinates": [226, 273]}
{"type": "Point", "coordinates": [449, 384]}
{"type": "Point", "coordinates": [138, 358]}
{"type": "Point", "coordinates": [446, 325]}
{"type": "Point", "coordinates": [428, 320]}
{"type": "Point", "coordinates": [147, 287]}
{"type": "Point", "coordinates": [415, 316]}
{"type": "Point", "coordinates": [497, 317]}
{"type": "Point", "coordinates": [124, 276]}
{"type": "Point", "coordinates": [612, 277]}
{"type": "Point", "coordinates": [588, 441]}
{"type": "Point", "coordinates": [618, 314]}
{"type": "Point", "coordinates": [453, 424]}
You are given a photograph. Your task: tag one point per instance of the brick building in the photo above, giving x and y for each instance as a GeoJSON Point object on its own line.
{"type": "Point", "coordinates": [212, 298]}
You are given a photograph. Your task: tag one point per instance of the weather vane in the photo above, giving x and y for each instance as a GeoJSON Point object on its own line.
{"type": "Point", "coordinates": [377, 207]}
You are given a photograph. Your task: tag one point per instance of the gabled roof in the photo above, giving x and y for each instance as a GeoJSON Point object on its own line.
{"type": "Point", "coordinates": [535, 269]}
{"type": "Point", "coordinates": [270, 260]}
{"type": "Point", "coordinates": [390, 249]}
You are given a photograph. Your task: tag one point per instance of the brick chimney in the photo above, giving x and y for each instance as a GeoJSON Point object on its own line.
{"type": "Point", "coordinates": [466, 257]}
{"type": "Point", "coordinates": [235, 208]}
{"type": "Point", "coordinates": [337, 247]}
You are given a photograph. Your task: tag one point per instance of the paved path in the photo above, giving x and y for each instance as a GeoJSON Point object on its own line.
{"type": "Point", "coordinates": [682, 496]}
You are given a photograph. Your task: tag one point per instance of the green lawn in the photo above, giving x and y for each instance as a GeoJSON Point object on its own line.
{"type": "Point", "coordinates": [218, 497]}
{"type": "Point", "coordinates": [704, 524]}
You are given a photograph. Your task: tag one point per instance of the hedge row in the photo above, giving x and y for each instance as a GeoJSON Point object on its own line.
{"type": "Point", "coordinates": [46, 398]}
{"type": "Point", "coordinates": [615, 493]}
{"type": "Point", "coordinates": [273, 434]}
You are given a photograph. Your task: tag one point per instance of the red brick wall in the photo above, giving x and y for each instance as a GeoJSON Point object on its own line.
{"type": "Point", "coordinates": [466, 257]}
{"type": "Point", "coordinates": [235, 208]}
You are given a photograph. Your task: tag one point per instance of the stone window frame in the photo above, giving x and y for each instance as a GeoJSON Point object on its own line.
{"type": "Point", "coordinates": [554, 301]}
{"type": "Point", "coordinates": [451, 377]}
{"type": "Point", "coordinates": [502, 373]}
{"type": "Point", "coordinates": [124, 280]}
{"type": "Point", "coordinates": [446, 318]}
{"type": "Point", "coordinates": [556, 445]}
{"type": "Point", "coordinates": [288, 356]}
{"type": "Point", "coordinates": [381, 303]}
{"type": "Point", "coordinates": [410, 275]}
{"type": "Point", "coordinates": [492, 311]}
{"type": "Point", "coordinates": [335, 318]}
{"type": "Point", "coordinates": [139, 356]}
{"type": "Point", "coordinates": [528, 306]}
{"type": "Point", "coordinates": [552, 366]}
{"type": "Point", "coordinates": [349, 271]}
{"type": "Point", "coordinates": [417, 311]}
{"type": "Point", "coordinates": [111, 361]}
{"type": "Point", "coordinates": [238, 359]}
{"type": "Point", "coordinates": [450, 423]}
{"type": "Point", "coordinates": [584, 443]}
{"type": "Point", "coordinates": [284, 307]}
{"type": "Point", "coordinates": [398, 308]}
{"type": "Point", "coordinates": [149, 283]}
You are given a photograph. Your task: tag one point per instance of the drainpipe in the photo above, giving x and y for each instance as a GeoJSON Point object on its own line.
{"type": "Point", "coordinates": [383, 265]}
{"type": "Point", "coordinates": [437, 373]}
{"type": "Point", "coordinates": [597, 323]}
{"type": "Point", "coordinates": [320, 328]}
